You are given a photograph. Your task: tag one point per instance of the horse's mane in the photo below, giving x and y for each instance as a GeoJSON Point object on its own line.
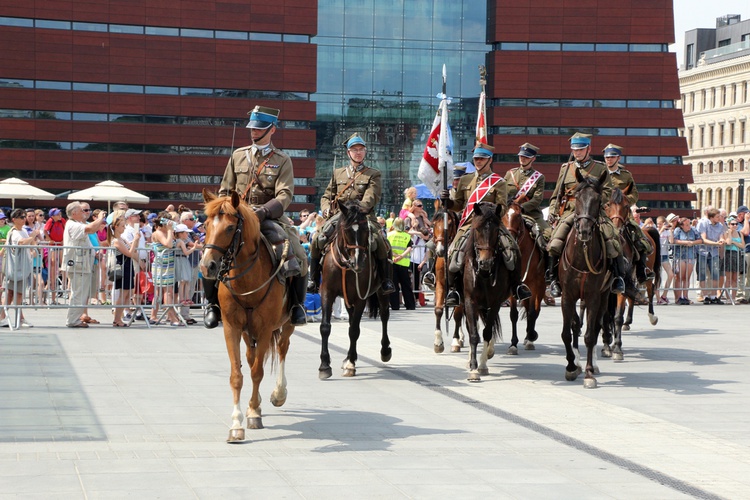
{"type": "Point", "coordinates": [223, 205]}
{"type": "Point", "coordinates": [353, 213]}
{"type": "Point", "coordinates": [486, 214]}
{"type": "Point", "coordinates": [617, 196]}
{"type": "Point", "coordinates": [441, 211]}
{"type": "Point", "coordinates": [588, 182]}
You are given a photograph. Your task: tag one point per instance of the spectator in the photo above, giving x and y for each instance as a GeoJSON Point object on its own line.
{"type": "Point", "coordinates": [410, 194]}
{"type": "Point", "coordinates": [401, 245]}
{"type": "Point", "coordinates": [4, 230]}
{"type": "Point", "coordinates": [18, 267]}
{"type": "Point", "coordinates": [101, 271]}
{"type": "Point", "coordinates": [685, 239]}
{"type": "Point", "coordinates": [743, 226]}
{"type": "Point", "coordinates": [666, 243]}
{"type": "Point", "coordinates": [733, 245]}
{"type": "Point", "coordinates": [712, 234]}
{"type": "Point", "coordinates": [183, 270]}
{"type": "Point", "coordinates": [389, 221]}
{"type": "Point", "coordinates": [420, 235]}
{"type": "Point", "coordinates": [79, 260]}
{"type": "Point", "coordinates": [94, 238]}
{"type": "Point", "coordinates": [163, 242]}
{"type": "Point", "coordinates": [124, 253]}
{"type": "Point", "coordinates": [54, 229]}
{"type": "Point", "coordinates": [308, 224]}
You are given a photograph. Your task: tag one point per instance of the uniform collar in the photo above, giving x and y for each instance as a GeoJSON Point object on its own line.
{"type": "Point", "coordinates": [615, 171]}
{"type": "Point", "coordinates": [356, 169]}
{"type": "Point", "coordinates": [263, 150]}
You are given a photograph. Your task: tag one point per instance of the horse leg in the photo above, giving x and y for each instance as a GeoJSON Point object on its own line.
{"type": "Point", "coordinates": [278, 396]}
{"type": "Point", "coordinates": [324, 370]}
{"type": "Point", "coordinates": [532, 314]}
{"type": "Point", "coordinates": [471, 326]}
{"type": "Point", "coordinates": [255, 358]}
{"type": "Point", "coordinates": [385, 341]}
{"type": "Point", "coordinates": [232, 339]}
{"type": "Point", "coordinates": [618, 327]}
{"type": "Point", "coordinates": [651, 290]}
{"type": "Point", "coordinates": [438, 344]}
{"type": "Point", "coordinates": [593, 322]}
{"type": "Point", "coordinates": [458, 332]}
{"type": "Point", "coordinates": [349, 364]}
{"type": "Point", "coordinates": [608, 325]}
{"type": "Point", "coordinates": [629, 319]}
{"type": "Point", "coordinates": [513, 348]}
{"type": "Point", "coordinates": [571, 329]}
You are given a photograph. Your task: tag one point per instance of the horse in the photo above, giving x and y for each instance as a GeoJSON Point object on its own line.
{"type": "Point", "coordinates": [618, 210]}
{"type": "Point", "coordinates": [349, 271]}
{"type": "Point", "coordinates": [653, 261]}
{"type": "Point", "coordinates": [254, 301]}
{"type": "Point", "coordinates": [443, 237]}
{"type": "Point", "coordinates": [583, 275]}
{"type": "Point", "coordinates": [486, 283]}
{"type": "Point", "coordinates": [532, 267]}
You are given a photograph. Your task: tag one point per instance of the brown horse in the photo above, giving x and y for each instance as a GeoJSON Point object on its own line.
{"type": "Point", "coordinates": [651, 285]}
{"type": "Point", "coordinates": [584, 275]}
{"type": "Point", "coordinates": [532, 269]}
{"type": "Point", "coordinates": [486, 284]}
{"type": "Point", "coordinates": [349, 271]}
{"type": "Point", "coordinates": [254, 302]}
{"type": "Point", "coordinates": [443, 236]}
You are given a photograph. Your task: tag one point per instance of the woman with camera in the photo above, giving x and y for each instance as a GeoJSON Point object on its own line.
{"type": "Point", "coordinates": [124, 278]}
{"type": "Point", "coordinates": [163, 242]}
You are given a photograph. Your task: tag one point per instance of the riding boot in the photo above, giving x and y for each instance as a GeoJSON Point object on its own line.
{"type": "Point", "coordinates": [386, 271]}
{"type": "Point", "coordinates": [314, 277]}
{"type": "Point", "coordinates": [297, 296]}
{"type": "Point", "coordinates": [618, 270]}
{"type": "Point", "coordinates": [642, 271]}
{"type": "Point", "coordinates": [212, 315]}
{"type": "Point", "coordinates": [452, 298]}
{"type": "Point", "coordinates": [551, 276]}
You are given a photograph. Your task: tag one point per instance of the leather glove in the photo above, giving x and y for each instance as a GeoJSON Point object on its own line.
{"type": "Point", "coordinates": [445, 194]}
{"type": "Point", "coordinates": [261, 213]}
{"type": "Point", "coordinates": [326, 213]}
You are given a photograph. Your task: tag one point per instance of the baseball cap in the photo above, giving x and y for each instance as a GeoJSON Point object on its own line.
{"type": "Point", "coordinates": [181, 228]}
{"type": "Point", "coordinates": [742, 209]}
{"type": "Point", "coordinates": [54, 211]}
{"type": "Point", "coordinates": [132, 211]}
{"type": "Point", "coordinates": [152, 216]}
{"type": "Point", "coordinates": [2, 215]}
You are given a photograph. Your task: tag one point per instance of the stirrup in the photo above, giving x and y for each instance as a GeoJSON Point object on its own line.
{"type": "Point", "coordinates": [429, 280]}
{"type": "Point", "coordinates": [312, 286]}
{"type": "Point", "coordinates": [387, 286]}
{"type": "Point", "coordinates": [522, 292]}
{"type": "Point", "coordinates": [453, 299]}
{"type": "Point", "coordinates": [618, 285]}
{"type": "Point", "coordinates": [299, 316]}
{"type": "Point", "coordinates": [554, 289]}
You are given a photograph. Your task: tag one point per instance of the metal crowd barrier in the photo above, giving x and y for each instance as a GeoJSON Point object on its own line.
{"type": "Point", "coordinates": [82, 283]}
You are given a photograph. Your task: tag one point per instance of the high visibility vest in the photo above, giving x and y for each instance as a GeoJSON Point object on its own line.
{"type": "Point", "coordinates": [399, 241]}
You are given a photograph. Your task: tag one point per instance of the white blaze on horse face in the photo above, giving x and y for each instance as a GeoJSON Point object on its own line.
{"type": "Point", "coordinates": [216, 220]}
{"type": "Point", "coordinates": [355, 228]}
{"type": "Point", "coordinates": [511, 211]}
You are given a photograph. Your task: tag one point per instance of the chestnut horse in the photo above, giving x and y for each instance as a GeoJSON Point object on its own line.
{"type": "Point", "coordinates": [584, 275]}
{"type": "Point", "coordinates": [532, 269]}
{"type": "Point", "coordinates": [486, 284]}
{"type": "Point", "coordinates": [349, 271]}
{"type": "Point", "coordinates": [254, 303]}
{"type": "Point", "coordinates": [443, 236]}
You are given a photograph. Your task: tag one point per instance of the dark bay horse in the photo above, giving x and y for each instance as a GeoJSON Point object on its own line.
{"type": "Point", "coordinates": [653, 262]}
{"type": "Point", "coordinates": [486, 284]}
{"type": "Point", "coordinates": [584, 275]}
{"type": "Point", "coordinates": [443, 236]}
{"type": "Point", "coordinates": [349, 271]}
{"type": "Point", "coordinates": [254, 303]}
{"type": "Point", "coordinates": [532, 274]}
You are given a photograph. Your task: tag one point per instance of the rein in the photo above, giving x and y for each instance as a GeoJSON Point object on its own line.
{"type": "Point", "coordinates": [343, 264]}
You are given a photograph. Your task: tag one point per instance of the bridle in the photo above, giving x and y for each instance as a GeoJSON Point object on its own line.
{"type": "Point", "coordinates": [340, 251]}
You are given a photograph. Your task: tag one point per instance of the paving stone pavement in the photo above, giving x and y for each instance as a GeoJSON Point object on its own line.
{"type": "Point", "coordinates": [137, 412]}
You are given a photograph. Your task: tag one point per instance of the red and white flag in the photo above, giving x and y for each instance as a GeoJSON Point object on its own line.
{"type": "Point", "coordinates": [431, 165]}
{"type": "Point", "coordinates": [481, 120]}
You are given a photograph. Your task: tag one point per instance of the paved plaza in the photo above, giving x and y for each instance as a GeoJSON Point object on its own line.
{"type": "Point", "coordinates": [111, 413]}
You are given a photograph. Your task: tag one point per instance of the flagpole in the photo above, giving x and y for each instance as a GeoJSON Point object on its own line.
{"type": "Point", "coordinates": [444, 164]}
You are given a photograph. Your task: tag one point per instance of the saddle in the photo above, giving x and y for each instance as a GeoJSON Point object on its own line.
{"type": "Point", "coordinates": [277, 243]}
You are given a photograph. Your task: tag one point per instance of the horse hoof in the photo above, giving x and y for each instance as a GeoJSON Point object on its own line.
{"type": "Point", "coordinates": [606, 352]}
{"type": "Point", "coordinates": [626, 327]}
{"type": "Point", "coordinates": [455, 348]}
{"type": "Point", "coordinates": [529, 346]}
{"type": "Point", "coordinates": [349, 372]}
{"type": "Point", "coordinates": [439, 348]}
{"type": "Point", "coordinates": [571, 376]}
{"type": "Point", "coordinates": [532, 337]}
{"type": "Point", "coordinates": [483, 371]}
{"type": "Point", "coordinates": [597, 371]}
{"type": "Point", "coordinates": [325, 373]}
{"type": "Point", "coordinates": [474, 376]}
{"type": "Point", "coordinates": [589, 383]}
{"type": "Point", "coordinates": [617, 356]}
{"type": "Point", "coordinates": [653, 319]}
{"type": "Point", "coordinates": [513, 350]}
{"type": "Point", "coordinates": [278, 400]}
{"type": "Point", "coordinates": [385, 356]}
{"type": "Point", "coordinates": [491, 353]}
{"type": "Point", "coordinates": [236, 435]}
{"type": "Point", "coordinates": [255, 422]}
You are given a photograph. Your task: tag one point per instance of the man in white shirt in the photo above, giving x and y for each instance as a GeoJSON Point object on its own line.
{"type": "Point", "coordinates": [79, 260]}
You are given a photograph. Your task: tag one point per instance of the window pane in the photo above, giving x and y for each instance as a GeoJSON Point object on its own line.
{"type": "Point", "coordinates": [196, 92]}
{"type": "Point", "coordinates": [126, 28]}
{"type": "Point", "coordinates": [544, 130]}
{"type": "Point", "coordinates": [90, 117]}
{"type": "Point", "coordinates": [153, 89]}
{"type": "Point", "coordinates": [52, 115]}
{"type": "Point", "coordinates": [265, 37]}
{"type": "Point", "coordinates": [231, 35]}
{"type": "Point", "coordinates": [509, 102]}
{"type": "Point", "coordinates": [55, 25]}
{"type": "Point", "coordinates": [610, 131]}
{"type": "Point", "coordinates": [102, 28]}
{"type": "Point", "coordinates": [612, 47]}
{"type": "Point", "coordinates": [16, 113]}
{"type": "Point", "coordinates": [610, 103]}
{"type": "Point", "coordinates": [156, 30]}
{"type": "Point", "coordinates": [669, 132]}
{"type": "Point", "coordinates": [296, 38]}
{"type": "Point", "coordinates": [543, 46]}
{"type": "Point", "coordinates": [90, 87]}
{"type": "Point", "coordinates": [651, 132]}
{"type": "Point", "coordinates": [127, 89]}
{"type": "Point", "coordinates": [578, 47]}
{"type": "Point", "coordinates": [545, 103]}
{"type": "Point", "coordinates": [9, 83]}
{"type": "Point", "coordinates": [125, 118]}
{"type": "Point", "coordinates": [667, 104]}
{"type": "Point", "coordinates": [44, 84]}
{"type": "Point", "coordinates": [635, 103]}
{"type": "Point", "coordinates": [189, 32]}
{"type": "Point", "coordinates": [14, 21]}
{"type": "Point", "coordinates": [513, 46]}
{"type": "Point", "coordinates": [509, 130]}
{"type": "Point", "coordinates": [576, 103]}
{"type": "Point", "coordinates": [647, 47]}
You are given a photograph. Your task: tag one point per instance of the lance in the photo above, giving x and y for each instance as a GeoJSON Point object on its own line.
{"type": "Point", "coordinates": [443, 155]}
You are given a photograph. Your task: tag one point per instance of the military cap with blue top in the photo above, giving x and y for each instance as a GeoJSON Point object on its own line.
{"type": "Point", "coordinates": [482, 150]}
{"type": "Point", "coordinates": [612, 150]}
{"type": "Point", "coordinates": [458, 170]}
{"type": "Point", "coordinates": [353, 140]}
{"type": "Point", "coordinates": [580, 141]}
{"type": "Point", "coordinates": [262, 117]}
{"type": "Point", "coordinates": [528, 150]}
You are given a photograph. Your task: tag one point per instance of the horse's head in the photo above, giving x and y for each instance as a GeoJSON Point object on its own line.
{"type": "Point", "coordinates": [588, 203]}
{"type": "Point", "coordinates": [354, 235]}
{"type": "Point", "coordinates": [618, 208]}
{"type": "Point", "coordinates": [513, 220]}
{"type": "Point", "coordinates": [443, 235]}
{"type": "Point", "coordinates": [485, 228]}
{"type": "Point", "coordinates": [226, 217]}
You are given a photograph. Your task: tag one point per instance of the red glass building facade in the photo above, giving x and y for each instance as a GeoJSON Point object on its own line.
{"type": "Point", "coordinates": [146, 92]}
{"type": "Point", "coordinates": [595, 66]}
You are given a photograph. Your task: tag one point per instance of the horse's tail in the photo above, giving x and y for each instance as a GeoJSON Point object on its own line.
{"type": "Point", "coordinates": [373, 304]}
{"type": "Point", "coordinates": [654, 234]}
{"type": "Point", "coordinates": [273, 349]}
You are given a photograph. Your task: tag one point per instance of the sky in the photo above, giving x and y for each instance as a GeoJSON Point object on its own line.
{"type": "Point", "coordinates": [691, 14]}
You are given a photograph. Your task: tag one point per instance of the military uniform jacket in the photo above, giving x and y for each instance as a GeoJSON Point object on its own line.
{"type": "Point", "coordinates": [620, 179]}
{"type": "Point", "coordinates": [498, 194]}
{"type": "Point", "coordinates": [363, 185]}
{"type": "Point", "coordinates": [272, 171]}
{"type": "Point", "coordinates": [531, 203]}
{"type": "Point", "coordinates": [566, 182]}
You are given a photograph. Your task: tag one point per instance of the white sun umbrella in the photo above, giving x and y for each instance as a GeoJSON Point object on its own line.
{"type": "Point", "coordinates": [109, 191]}
{"type": "Point", "coordinates": [14, 188]}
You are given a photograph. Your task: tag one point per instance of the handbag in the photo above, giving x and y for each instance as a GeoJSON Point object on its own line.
{"type": "Point", "coordinates": [114, 269]}
{"type": "Point", "coordinates": [18, 264]}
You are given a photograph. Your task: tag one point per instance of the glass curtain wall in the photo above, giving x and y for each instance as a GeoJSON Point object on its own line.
{"type": "Point", "coordinates": [379, 70]}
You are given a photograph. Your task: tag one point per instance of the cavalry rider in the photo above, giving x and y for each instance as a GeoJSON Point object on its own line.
{"type": "Point", "coordinates": [621, 178]}
{"type": "Point", "coordinates": [484, 185]}
{"type": "Point", "coordinates": [263, 176]}
{"type": "Point", "coordinates": [355, 181]}
{"type": "Point", "coordinates": [526, 187]}
{"type": "Point", "coordinates": [562, 212]}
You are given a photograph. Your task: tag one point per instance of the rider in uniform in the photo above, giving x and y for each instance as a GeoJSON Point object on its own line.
{"type": "Point", "coordinates": [483, 185]}
{"type": "Point", "coordinates": [620, 179]}
{"type": "Point", "coordinates": [355, 181]}
{"type": "Point", "coordinates": [526, 187]}
{"type": "Point", "coordinates": [562, 212]}
{"type": "Point", "coordinates": [264, 177]}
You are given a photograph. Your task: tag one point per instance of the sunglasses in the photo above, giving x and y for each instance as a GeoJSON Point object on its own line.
{"type": "Point", "coordinates": [85, 210]}
{"type": "Point", "coordinates": [732, 223]}
{"type": "Point", "coordinates": [418, 206]}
